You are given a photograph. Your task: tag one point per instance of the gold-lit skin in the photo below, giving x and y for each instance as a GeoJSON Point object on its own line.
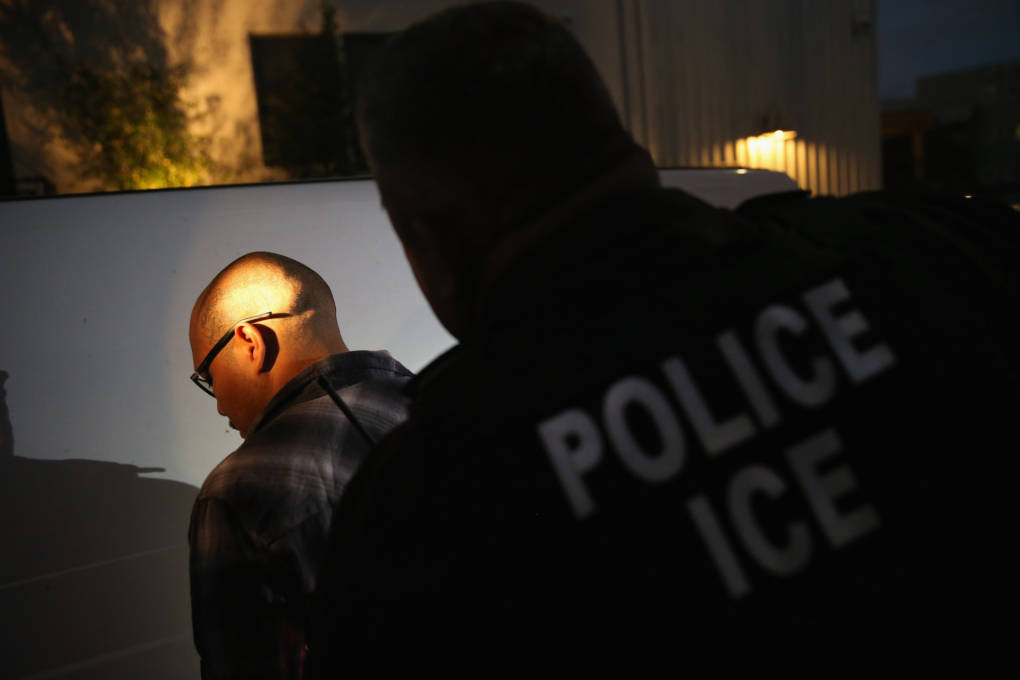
{"type": "Point", "coordinates": [261, 357]}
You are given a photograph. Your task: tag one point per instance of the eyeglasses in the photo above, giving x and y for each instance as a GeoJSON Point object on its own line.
{"type": "Point", "coordinates": [200, 377]}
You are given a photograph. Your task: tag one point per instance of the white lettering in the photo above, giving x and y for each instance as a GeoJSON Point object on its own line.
{"type": "Point", "coordinates": [715, 436]}
{"type": "Point", "coordinates": [811, 392]}
{"type": "Point", "coordinates": [571, 462]}
{"type": "Point", "coordinates": [823, 490]}
{"type": "Point", "coordinates": [840, 332]}
{"type": "Point", "coordinates": [747, 483]}
{"type": "Point", "coordinates": [649, 467]}
{"type": "Point", "coordinates": [718, 547]}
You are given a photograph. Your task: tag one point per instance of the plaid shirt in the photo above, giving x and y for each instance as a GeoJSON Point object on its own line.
{"type": "Point", "coordinates": [262, 517]}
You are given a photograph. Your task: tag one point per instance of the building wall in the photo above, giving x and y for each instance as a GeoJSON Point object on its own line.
{"type": "Point", "coordinates": [703, 78]}
{"type": "Point", "coordinates": [695, 80]}
{"type": "Point", "coordinates": [214, 36]}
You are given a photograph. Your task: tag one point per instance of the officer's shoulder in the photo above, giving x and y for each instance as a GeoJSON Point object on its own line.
{"type": "Point", "coordinates": [883, 206]}
{"type": "Point", "coordinates": [986, 225]}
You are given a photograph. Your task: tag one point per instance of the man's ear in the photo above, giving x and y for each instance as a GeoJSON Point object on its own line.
{"type": "Point", "coordinates": [248, 339]}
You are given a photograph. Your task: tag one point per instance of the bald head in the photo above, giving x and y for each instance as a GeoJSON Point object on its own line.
{"type": "Point", "coordinates": [262, 356]}
{"type": "Point", "coordinates": [265, 282]}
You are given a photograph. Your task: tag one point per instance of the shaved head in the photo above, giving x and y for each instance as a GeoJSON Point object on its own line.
{"type": "Point", "coordinates": [263, 282]}
{"type": "Point", "coordinates": [262, 356]}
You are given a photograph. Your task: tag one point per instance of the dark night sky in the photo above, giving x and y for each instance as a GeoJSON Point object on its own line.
{"type": "Point", "coordinates": [927, 37]}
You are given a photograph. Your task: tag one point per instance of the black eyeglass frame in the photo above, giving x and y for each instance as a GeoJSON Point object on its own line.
{"type": "Point", "coordinates": [198, 377]}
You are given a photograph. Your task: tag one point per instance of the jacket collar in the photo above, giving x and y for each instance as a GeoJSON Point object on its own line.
{"type": "Point", "coordinates": [342, 369]}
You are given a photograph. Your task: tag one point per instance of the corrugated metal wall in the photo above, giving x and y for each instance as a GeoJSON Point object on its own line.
{"type": "Point", "coordinates": [700, 78]}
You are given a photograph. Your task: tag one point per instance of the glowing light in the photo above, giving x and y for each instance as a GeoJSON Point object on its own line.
{"type": "Point", "coordinates": [768, 150]}
{"type": "Point", "coordinates": [765, 143]}
{"type": "Point", "coordinates": [762, 147]}
{"type": "Point", "coordinates": [783, 135]}
{"type": "Point", "coordinates": [742, 171]}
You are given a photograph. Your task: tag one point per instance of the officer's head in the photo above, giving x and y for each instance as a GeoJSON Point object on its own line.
{"type": "Point", "coordinates": [475, 121]}
{"type": "Point", "coordinates": [260, 321]}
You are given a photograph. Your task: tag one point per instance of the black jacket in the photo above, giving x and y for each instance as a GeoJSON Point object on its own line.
{"type": "Point", "coordinates": [677, 432]}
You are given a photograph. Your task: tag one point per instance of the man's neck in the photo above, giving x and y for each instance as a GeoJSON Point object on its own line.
{"type": "Point", "coordinates": [291, 366]}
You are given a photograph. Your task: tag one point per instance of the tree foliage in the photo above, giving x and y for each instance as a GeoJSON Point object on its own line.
{"type": "Point", "coordinates": [98, 78]}
{"type": "Point", "coordinates": [131, 128]}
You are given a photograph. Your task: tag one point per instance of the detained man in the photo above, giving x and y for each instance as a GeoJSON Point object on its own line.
{"type": "Point", "coordinates": [267, 346]}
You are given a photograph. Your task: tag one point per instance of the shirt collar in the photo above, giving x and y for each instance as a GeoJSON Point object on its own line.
{"type": "Point", "coordinates": [343, 369]}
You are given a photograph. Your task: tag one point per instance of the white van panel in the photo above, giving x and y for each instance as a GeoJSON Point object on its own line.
{"type": "Point", "coordinates": [96, 295]}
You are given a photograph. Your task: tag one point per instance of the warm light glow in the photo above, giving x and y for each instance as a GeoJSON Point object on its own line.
{"type": "Point", "coordinates": [782, 135]}
{"type": "Point", "coordinates": [742, 171]}
{"type": "Point", "coordinates": [766, 148]}
{"type": "Point", "coordinates": [769, 151]}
